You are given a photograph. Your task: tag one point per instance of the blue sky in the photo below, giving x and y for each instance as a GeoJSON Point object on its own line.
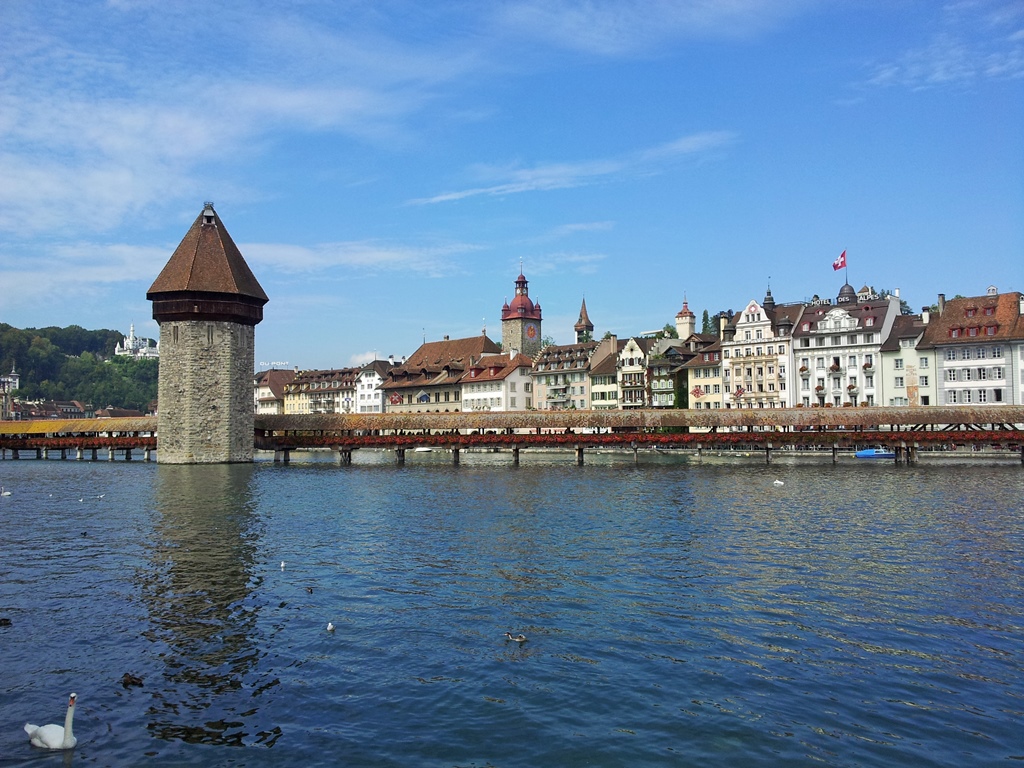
{"type": "Point", "coordinates": [385, 167]}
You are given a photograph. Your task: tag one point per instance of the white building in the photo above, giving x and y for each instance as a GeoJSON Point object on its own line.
{"type": "Point", "coordinates": [137, 346]}
{"type": "Point", "coordinates": [369, 395]}
{"type": "Point", "coordinates": [498, 382]}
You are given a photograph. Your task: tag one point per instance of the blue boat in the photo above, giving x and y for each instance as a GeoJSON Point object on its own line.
{"type": "Point", "coordinates": [876, 453]}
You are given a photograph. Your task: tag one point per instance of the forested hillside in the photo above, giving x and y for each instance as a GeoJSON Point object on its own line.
{"type": "Point", "coordinates": [75, 364]}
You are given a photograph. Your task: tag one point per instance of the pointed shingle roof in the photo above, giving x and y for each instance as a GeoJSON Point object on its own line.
{"type": "Point", "coordinates": [207, 261]}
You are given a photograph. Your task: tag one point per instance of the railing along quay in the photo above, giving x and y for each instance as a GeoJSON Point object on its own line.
{"type": "Point", "coordinates": [905, 429]}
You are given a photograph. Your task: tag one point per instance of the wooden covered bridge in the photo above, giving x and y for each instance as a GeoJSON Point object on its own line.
{"type": "Point", "coordinates": [904, 429]}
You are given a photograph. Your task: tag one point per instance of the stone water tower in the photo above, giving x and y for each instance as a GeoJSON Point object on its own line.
{"type": "Point", "coordinates": [207, 302]}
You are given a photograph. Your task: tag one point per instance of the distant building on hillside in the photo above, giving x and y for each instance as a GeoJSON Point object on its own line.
{"type": "Point", "coordinates": [137, 346]}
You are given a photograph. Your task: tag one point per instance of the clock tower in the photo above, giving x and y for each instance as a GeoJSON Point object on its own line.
{"type": "Point", "coordinates": [520, 322]}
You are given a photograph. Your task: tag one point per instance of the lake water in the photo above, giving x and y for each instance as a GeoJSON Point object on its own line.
{"type": "Point", "coordinates": [677, 613]}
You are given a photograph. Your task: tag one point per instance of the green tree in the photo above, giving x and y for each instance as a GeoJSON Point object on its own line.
{"type": "Point", "coordinates": [706, 326]}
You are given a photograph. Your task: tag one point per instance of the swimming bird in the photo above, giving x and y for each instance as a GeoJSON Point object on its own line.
{"type": "Point", "coordinates": [778, 483]}
{"type": "Point", "coordinates": [330, 627]}
{"type": "Point", "coordinates": [4, 491]}
{"type": "Point", "coordinates": [282, 565]}
{"type": "Point", "coordinates": [309, 590]}
{"type": "Point", "coordinates": [520, 638]}
{"type": "Point", "coordinates": [54, 736]}
{"type": "Point", "coordinates": [129, 680]}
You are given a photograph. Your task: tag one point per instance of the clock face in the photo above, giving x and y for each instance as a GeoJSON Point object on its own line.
{"type": "Point", "coordinates": [531, 331]}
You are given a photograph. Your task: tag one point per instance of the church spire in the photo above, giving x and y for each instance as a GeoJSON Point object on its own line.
{"type": "Point", "coordinates": [584, 328]}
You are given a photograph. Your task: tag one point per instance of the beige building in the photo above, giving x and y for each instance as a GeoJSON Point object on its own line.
{"type": "Point", "coordinates": [329, 391]}
{"type": "Point", "coordinates": [561, 376]}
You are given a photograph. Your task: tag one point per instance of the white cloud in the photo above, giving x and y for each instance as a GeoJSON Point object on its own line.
{"type": "Point", "coordinates": [364, 256]}
{"type": "Point", "coordinates": [620, 27]}
{"type": "Point", "coordinates": [974, 41]}
{"type": "Point", "coordinates": [512, 180]}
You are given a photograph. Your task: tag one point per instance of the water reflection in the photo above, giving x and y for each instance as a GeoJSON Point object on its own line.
{"type": "Point", "coordinates": [199, 589]}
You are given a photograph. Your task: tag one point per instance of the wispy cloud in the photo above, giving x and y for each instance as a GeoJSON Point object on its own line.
{"type": "Point", "coordinates": [511, 181]}
{"type": "Point", "coordinates": [976, 40]}
{"type": "Point", "coordinates": [620, 27]}
{"type": "Point", "coordinates": [366, 257]}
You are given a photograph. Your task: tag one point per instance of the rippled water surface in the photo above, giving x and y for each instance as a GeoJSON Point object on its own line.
{"type": "Point", "coordinates": [677, 613]}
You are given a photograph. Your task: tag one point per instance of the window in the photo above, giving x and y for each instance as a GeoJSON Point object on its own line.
{"type": "Point", "coordinates": [923, 381]}
{"type": "Point", "coordinates": [951, 397]}
{"type": "Point", "coordinates": [898, 381]}
{"type": "Point", "coordinates": [967, 395]}
{"type": "Point", "coordinates": [853, 338]}
{"type": "Point", "coordinates": [982, 395]}
{"type": "Point", "coordinates": [923, 362]}
{"type": "Point", "coordinates": [950, 375]}
{"type": "Point", "coordinates": [869, 381]}
{"type": "Point", "coordinates": [868, 322]}
{"type": "Point", "coordinates": [898, 363]}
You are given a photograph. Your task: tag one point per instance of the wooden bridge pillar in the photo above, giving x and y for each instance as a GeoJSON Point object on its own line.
{"type": "Point", "coordinates": [127, 454]}
{"type": "Point", "coordinates": [282, 455]}
{"type": "Point", "coordinates": [78, 453]}
{"type": "Point", "coordinates": [345, 456]}
{"type": "Point", "coordinates": [455, 455]}
{"type": "Point", "coordinates": [515, 455]}
{"type": "Point", "coordinates": [835, 453]}
{"type": "Point", "coordinates": [147, 455]}
{"type": "Point", "coordinates": [579, 455]}
{"type": "Point", "coordinates": [400, 455]}
{"type": "Point", "coordinates": [636, 456]}
{"type": "Point", "coordinates": [110, 454]}
{"type": "Point", "coordinates": [912, 456]}
{"type": "Point", "coordinates": [768, 453]}
{"type": "Point", "coordinates": [93, 455]}
{"type": "Point", "coordinates": [40, 454]}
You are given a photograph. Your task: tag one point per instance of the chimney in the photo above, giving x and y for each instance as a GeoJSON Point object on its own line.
{"type": "Point", "coordinates": [391, 359]}
{"type": "Point", "coordinates": [942, 302]}
{"type": "Point", "coordinates": [925, 315]}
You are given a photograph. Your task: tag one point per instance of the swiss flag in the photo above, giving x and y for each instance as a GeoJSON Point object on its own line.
{"type": "Point", "coordinates": [840, 262]}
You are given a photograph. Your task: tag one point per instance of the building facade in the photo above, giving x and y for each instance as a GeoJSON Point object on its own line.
{"type": "Point", "coordinates": [430, 379]}
{"type": "Point", "coordinates": [979, 349]}
{"type": "Point", "coordinates": [499, 382]}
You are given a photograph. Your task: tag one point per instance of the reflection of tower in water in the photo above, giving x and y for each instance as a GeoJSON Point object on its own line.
{"type": "Point", "coordinates": [203, 612]}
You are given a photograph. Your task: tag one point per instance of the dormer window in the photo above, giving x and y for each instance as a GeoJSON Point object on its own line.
{"type": "Point", "coordinates": [869, 321]}
{"type": "Point", "coordinates": [970, 312]}
{"type": "Point", "coordinates": [990, 310]}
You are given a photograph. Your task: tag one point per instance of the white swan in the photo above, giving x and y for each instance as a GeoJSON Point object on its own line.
{"type": "Point", "coordinates": [54, 736]}
{"type": "Point", "coordinates": [330, 626]}
{"type": "Point", "coordinates": [778, 483]}
{"type": "Point", "coordinates": [4, 492]}
{"type": "Point", "coordinates": [520, 638]}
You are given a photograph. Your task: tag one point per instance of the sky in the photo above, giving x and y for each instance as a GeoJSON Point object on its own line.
{"type": "Point", "coordinates": [387, 168]}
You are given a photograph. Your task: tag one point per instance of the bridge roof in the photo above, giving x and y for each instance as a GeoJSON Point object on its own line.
{"type": "Point", "coordinates": [77, 426]}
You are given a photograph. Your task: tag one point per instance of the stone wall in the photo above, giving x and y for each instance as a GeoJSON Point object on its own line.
{"type": "Point", "coordinates": [205, 412]}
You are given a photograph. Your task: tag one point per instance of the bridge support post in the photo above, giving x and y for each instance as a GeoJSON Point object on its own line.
{"type": "Point", "coordinates": [282, 455]}
{"type": "Point", "coordinates": [768, 453]}
{"type": "Point", "coordinates": [345, 456]}
{"type": "Point", "coordinates": [835, 453]}
{"type": "Point", "coordinates": [455, 455]}
{"type": "Point", "coordinates": [93, 455]}
{"type": "Point", "coordinates": [43, 454]}
{"type": "Point", "coordinates": [63, 454]}
{"type": "Point", "coordinates": [127, 454]}
{"type": "Point", "coordinates": [16, 455]}
{"type": "Point", "coordinates": [147, 455]}
{"type": "Point", "coordinates": [78, 453]}
{"type": "Point", "coordinates": [636, 456]}
{"type": "Point", "coordinates": [912, 456]}
{"type": "Point", "coordinates": [110, 454]}
{"type": "Point", "coordinates": [700, 450]}
{"type": "Point", "coordinates": [400, 455]}
{"type": "Point", "coordinates": [515, 455]}
{"type": "Point", "coordinates": [579, 455]}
